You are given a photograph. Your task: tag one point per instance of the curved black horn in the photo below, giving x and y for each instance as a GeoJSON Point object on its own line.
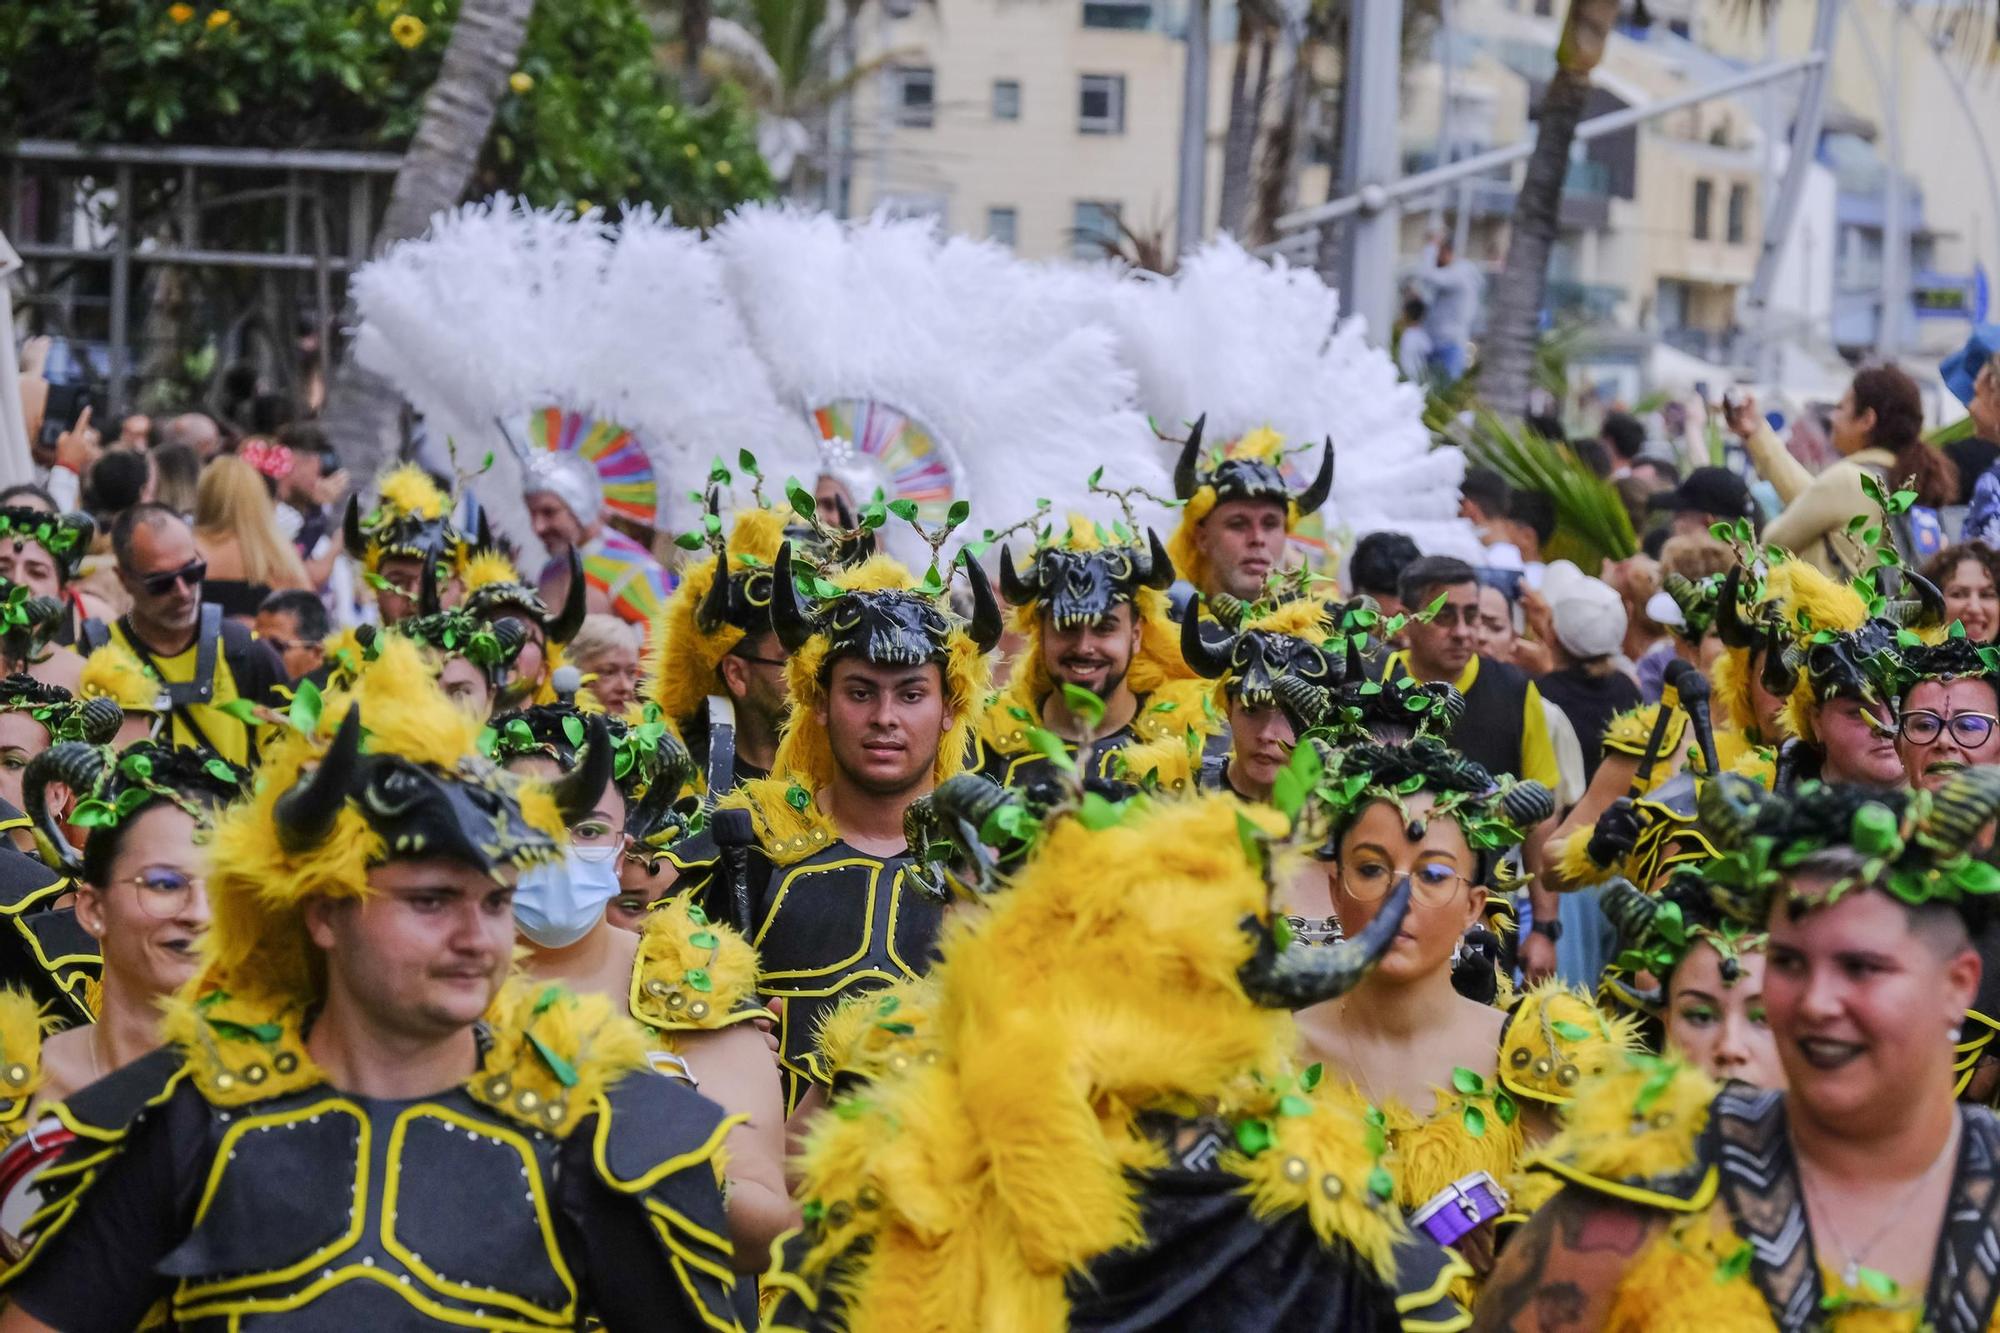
{"type": "Point", "coordinates": [78, 766]}
{"type": "Point", "coordinates": [1630, 912]}
{"type": "Point", "coordinates": [1306, 705]}
{"type": "Point", "coordinates": [1780, 671]}
{"type": "Point", "coordinates": [1298, 977]}
{"type": "Point", "coordinates": [305, 815]}
{"type": "Point", "coordinates": [99, 719]}
{"type": "Point", "coordinates": [1729, 622]}
{"type": "Point", "coordinates": [1929, 597]}
{"type": "Point", "coordinates": [984, 631]}
{"type": "Point", "coordinates": [787, 620]}
{"type": "Point", "coordinates": [482, 532]}
{"type": "Point", "coordinates": [1187, 472]}
{"type": "Point", "coordinates": [1160, 572]}
{"type": "Point", "coordinates": [428, 601]}
{"type": "Point", "coordinates": [713, 610]}
{"type": "Point", "coordinates": [1212, 660]}
{"type": "Point", "coordinates": [575, 603]}
{"type": "Point", "coordinates": [350, 530]}
{"type": "Point", "coordinates": [1964, 805]}
{"type": "Point", "coordinates": [1017, 590]}
{"type": "Point", "coordinates": [578, 791]}
{"type": "Point", "coordinates": [1313, 496]}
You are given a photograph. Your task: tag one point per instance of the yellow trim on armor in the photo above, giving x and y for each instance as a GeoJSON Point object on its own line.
{"type": "Point", "coordinates": [503, 1134]}
{"type": "Point", "coordinates": [664, 1169]}
{"type": "Point", "coordinates": [357, 1224]}
{"type": "Point", "coordinates": [874, 866]}
{"type": "Point", "coordinates": [8, 825]}
{"type": "Point", "coordinates": [1454, 1269]}
{"type": "Point", "coordinates": [779, 1276]}
{"type": "Point", "coordinates": [28, 901]}
{"type": "Point", "coordinates": [673, 1216]}
{"type": "Point", "coordinates": [664, 1228]}
{"type": "Point", "coordinates": [61, 1111]}
{"type": "Point", "coordinates": [1703, 1195]}
{"type": "Point", "coordinates": [53, 965]}
{"type": "Point", "coordinates": [445, 1314]}
{"type": "Point", "coordinates": [730, 1325]}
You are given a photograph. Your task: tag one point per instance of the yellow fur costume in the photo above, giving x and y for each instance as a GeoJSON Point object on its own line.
{"type": "Point", "coordinates": [114, 672]}
{"type": "Point", "coordinates": [680, 667]}
{"type": "Point", "coordinates": [994, 1161]}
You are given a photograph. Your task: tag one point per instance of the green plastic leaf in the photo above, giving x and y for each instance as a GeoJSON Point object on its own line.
{"type": "Point", "coordinates": [220, 771]}
{"type": "Point", "coordinates": [1466, 1081]}
{"type": "Point", "coordinates": [1569, 1031]}
{"type": "Point", "coordinates": [242, 710]}
{"type": "Point", "coordinates": [1095, 477]}
{"type": "Point", "coordinates": [1289, 792]}
{"type": "Point", "coordinates": [1311, 1076]}
{"type": "Point", "coordinates": [1097, 813]}
{"type": "Point", "coordinates": [1736, 1265]}
{"type": "Point", "coordinates": [698, 979]}
{"type": "Point", "coordinates": [1050, 746]}
{"type": "Point", "coordinates": [803, 503]}
{"type": "Point", "coordinates": [1879, 1285]}
{"type": "Point", "coordinates": [1475, 1121]}
{"type": "Point", "coordinates": [260, 1032]}
{"type": "Point", "coordinates": [564, 1071]}
{"type": "Point", "coordinates": [573, 730]}
{"type": "Point", "coordinates": [702, 939]}
{"type": "Point", "coordinates": [960, 511]}
{"type": "Point", "coordinates": [1084, 704]}
{"type": "Point", "coordinates": [1293, 1104]}
{"type": "Point", "coordinates": [746, 463]}
{"type": "Point", "coordinates": [1380, 1183]}
{"type": "Point", "coordinates": [1254, 1136]}
{"type": "Point", "coordinates": [904, 509]}
{"type": "Point", "coordinates": [1251, 838]}
{"type": "Point", "coordinates": [1504, 1106]}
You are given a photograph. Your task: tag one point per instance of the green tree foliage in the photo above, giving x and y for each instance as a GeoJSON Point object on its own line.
{"type": "Point", "coordinates": [590, 115]}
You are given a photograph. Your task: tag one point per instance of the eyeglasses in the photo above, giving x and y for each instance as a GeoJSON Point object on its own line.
{"type": "Point", "coordinates": [1969, 729]}
{"type": "Point", "coordinates": [159, 585]}
{"type": "Point", "coordinates": [164, 893]}
{"type": "Point", "coordinates": [596, 835]}
{"type": "Point", "coordinates": [1432, 883]}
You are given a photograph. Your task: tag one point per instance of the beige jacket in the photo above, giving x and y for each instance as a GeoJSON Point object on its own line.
{"type": "Point", "coordinates": [1818, 508]}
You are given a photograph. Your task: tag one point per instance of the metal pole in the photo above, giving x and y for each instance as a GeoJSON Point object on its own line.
{"type": "Point", "coordinates": [1445, 71]}
{"type": "Point", "coordinates": [1784, 209]}
{"type": "Point", "coordinates": [1193, 198]}
{"type": "Point", "coordinates": [1889, 339]}
{"type": "Point", "coordinates": [1372, 106]}
{"type": "Point", "coordinates": [121, 296]}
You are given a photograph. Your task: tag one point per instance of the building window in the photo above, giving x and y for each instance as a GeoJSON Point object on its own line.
{"type": "Point", "coordinates": [1545, 8]}
{"type": "Point", "coordinates": [1739, 206]}
{"type": "Point", "coordinates": [913, 206]}
{"type": "Point", "coordinates": [1703, 192]}
{"type": "Point", "coordinates": [1129, 15]}
{"type": "Point", "coordinates": [1006, 99]}
{"type": "Point", "coordinates": [1095, 233]}
{"type": "Point", "coordinates": [916, 96]}
{"type": "Point", "coordinates": [1000, 226]}
{"type": "Point", "coordinates": [1101, 108]}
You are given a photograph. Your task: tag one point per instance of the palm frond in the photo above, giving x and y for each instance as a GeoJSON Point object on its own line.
{"type": "Point", "coordinates": [1591, 523]}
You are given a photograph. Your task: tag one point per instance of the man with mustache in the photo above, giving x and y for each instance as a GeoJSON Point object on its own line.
{"type": "Point", "coordinates": [1091, 606]}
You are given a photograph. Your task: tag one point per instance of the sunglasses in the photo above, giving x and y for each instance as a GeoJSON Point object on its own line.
{"type": "Point", "coordinates": [159, 585]}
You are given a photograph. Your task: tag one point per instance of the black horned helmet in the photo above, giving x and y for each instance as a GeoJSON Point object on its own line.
{"type": "Point", "coordinates": [64, 536]}
{"type": "Point", "coordinates": [886, 626]}
{"type": "Point", "coordinates": [494, 601]}
{"type": "Point", "coordinates": [1248, 478]}
{"type": "Point", "coordinates": [1254, 664]}
{"type": "Point", "coordinates": [1076, 587]}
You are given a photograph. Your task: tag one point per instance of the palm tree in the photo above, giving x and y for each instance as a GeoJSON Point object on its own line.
{"type": "Point", "coordinates": [1254, 28]}
{"type": "Point", "coordinates": [458, 112]}
{"type": "Point", "coordinates": [1507, 353]}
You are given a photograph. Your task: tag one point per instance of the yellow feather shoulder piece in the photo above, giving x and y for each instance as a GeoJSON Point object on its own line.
{"type": "Point", "coordinates": [1178, 710]}
{"type": "Point", "coordinates": [484, 569]}
{"type": "Point", "coordinates": [1305, 618]}
{"type": "Point", "coordinates": [692, 974]}
{"type": "Point", "coordinates": [242, 1046]}
{"type": "Point", "coordinates": [1555, 1038]}
{"type": "Point", "coordinates": [1639, 1120]}
{"type": "Point", "coordinates": [408, 489]}
{"type": "Point", "coordinates": [788, 829]}
{"type": "Point", "coordinates": [1168, 764]}
{"type": "Point", "coordinates": [1427, 1153]}
{"type": "Point", "coordinates": [1325, 1159]}
{"type": "Point", "coordinates": [114, 672]}
{"type": "Point", "coordinates": [23, 1025]}
{"type": "Point", "coordinates": [553, 1053]}
{"type": "Point", "coordinates": [1631, 732]}
{"type": "Point", "coordinates": [1683, 1282]}
{"type": "Point", "coordinates": [882, 1032]}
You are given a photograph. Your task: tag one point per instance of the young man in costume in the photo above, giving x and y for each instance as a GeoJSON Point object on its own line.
{"type": "Point", "coordinates": [212, 670]}
{"type": "Point", "coordinates": [1862, 1195]}
{"type": "Point", "coordinates": [353, 1035]}
{"type": "Point", "coordinates": [409, 527]}
{"type": "Point", "coordinates": [812, 864]}
{"type": "Point", "coordinates": [495, 590]}
{"type": "Point", "coordinates": [1015, 1151]}
{"type": "Point", "coordinates": [1239, 512]}
{"type": "Point", "coordinates": [1091, 609]}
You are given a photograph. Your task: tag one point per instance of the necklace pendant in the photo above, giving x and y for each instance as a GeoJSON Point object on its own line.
{"type": "Point", "coordinates": [1850, 1276]}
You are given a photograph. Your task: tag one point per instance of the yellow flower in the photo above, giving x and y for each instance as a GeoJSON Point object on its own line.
{"type": "Point", "coordinates": [180, 13]}
{"type": "Point", "coordinates": [408, 30]}
{"type": "Point", "coordinates": [692, 150]}
{"type": "Point", "coordinates": [582, 207]}
{"type": "Point", "coordinates": [521, 82]}
{"type": "Point", "coordinates": [218, 18]}
{"type": "Point", "coordinates": [723, 168]}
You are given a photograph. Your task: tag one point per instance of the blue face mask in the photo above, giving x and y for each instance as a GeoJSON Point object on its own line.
{"type": "Point", "coordinates": [557, 904]}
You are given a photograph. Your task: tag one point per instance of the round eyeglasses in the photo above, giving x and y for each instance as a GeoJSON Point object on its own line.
{"type": "Point", "coordinates": [1432, 883]}
{"type": "Point", "coordinates": [164, 893]}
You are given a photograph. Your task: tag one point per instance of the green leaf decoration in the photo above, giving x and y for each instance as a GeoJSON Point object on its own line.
{"type": "Point", "coordinates": [1879, 1285]}
{"type": "Point", "coordinates": [1289, 791]}
{"type": "Point", "coordinates": [306, 706]}
{"type": "Point", "coordinates": [220, 771]}
{"type": "Point", "coordinates": [1098, 813]}
{"type": "Point", "coordinates": [803, 503]}
{"type": "Point", "coordinates": [1466, 1081]}
{"type": "Point", "coordinates": [746, 463]}
{"type": "Point", "coordinates": [798, 797]}
{"type": "Point", "coordinates": [904, 509]}
{"type": "Point", "coordinates": [1569, 1031]}
{"type": "Point", "coordinates": [703, 939]}
{"type": "Point", "coordinates": [1381, 1184]}
{"type": "Point", "coordinates": [1251, 838]}
{"type": "Point", "coordinates": [1310, 1078]}
{"type": "Point", "coordinates": [258, 1032]}
{"type": "Point", "coordinates": [1050, 746]}
{"type": "Point", "coordinates": [1505, 1107]}
{"type": "Point", "coordinates": [242, 710]}
{"type": "Point", "coordinates": [1736, 1265]}
{"type": "Point", "coordinates": [572, 729]}
{"type": "Point", "coordinates": [564, 1071]}
{"type": "Point", "coordinates": [1293, 1104]}
{"type": "Point", "coordinates": [93, 814]}
{"type": "Point", "coordinates": [960, 511]}
{"type": "Point", "coordinates": [689, 541]}
{"type": "Point", "coordinates": [1254, 1136]}
{"type": "Point", "coordinates": [1475, 1121]}
{"type": "Point", "coordinates": [1084, 704]}
{"type": "Point", "coordinates": [546, 999]}
{"type": "Point", "coordinates": [697, 978]}
{"type": "Point", "coordinates": [933, 582]}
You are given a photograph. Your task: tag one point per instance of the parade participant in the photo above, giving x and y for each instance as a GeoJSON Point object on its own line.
{"type": "Point", "coordinates": [1091, 610]}
{"type": "Point", "coordinates": [566, 506]}
{"type": "Point", "coordinates": [473, 659]}
{"type": "Point", "coordinates": [1254, 667]}
{"type": "Point", "coordinates": [495, 590]}
{"type": "Point", "coordinates": [1859, 1194]}
{"type": "Point", "coordinates": [1709, 977]}
{"type": "Point", "coordinates": [716, 669]}
{"type": "Point", "coordinates": [1025, 1159]}
{"type": "Point", "coordinates": [690, 981]}
{"type": "Point", "coordinates": [139, 887]}
{"type": "Point", "coordinates": [392, 543]}
{"type": "Point", "coordinates": [812, 863]}
{"type": "Point", "coordinates": [1239, 511]}
{"type": "Point", "coordinates": [43, 551]}
{"type": "Point", "coordinates": [1463, 1085]}
{"type": "Point", "coordinates": [352, 1034]}
{"type": "Point", "coordinates": [212, 669]}
{"type": "Point", "coordinates": [1949, 713]}
{"type": "Point", "coordinates": [114, 673]}
{"type": "Point", "coordinates": [34, 716]}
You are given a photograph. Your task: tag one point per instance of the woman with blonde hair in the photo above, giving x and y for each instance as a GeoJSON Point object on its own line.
{"type": "Point", "coordinates": [236, 533]}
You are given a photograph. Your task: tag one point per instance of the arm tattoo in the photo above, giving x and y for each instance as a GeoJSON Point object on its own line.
{"type": "Point", "coordinates": [1560, 1271]}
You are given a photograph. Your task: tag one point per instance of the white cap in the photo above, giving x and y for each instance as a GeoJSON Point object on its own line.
{"type": "Point", "coordinates": [570, 479]}
{"type": "Point", "coordinates": [1589, 614]}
